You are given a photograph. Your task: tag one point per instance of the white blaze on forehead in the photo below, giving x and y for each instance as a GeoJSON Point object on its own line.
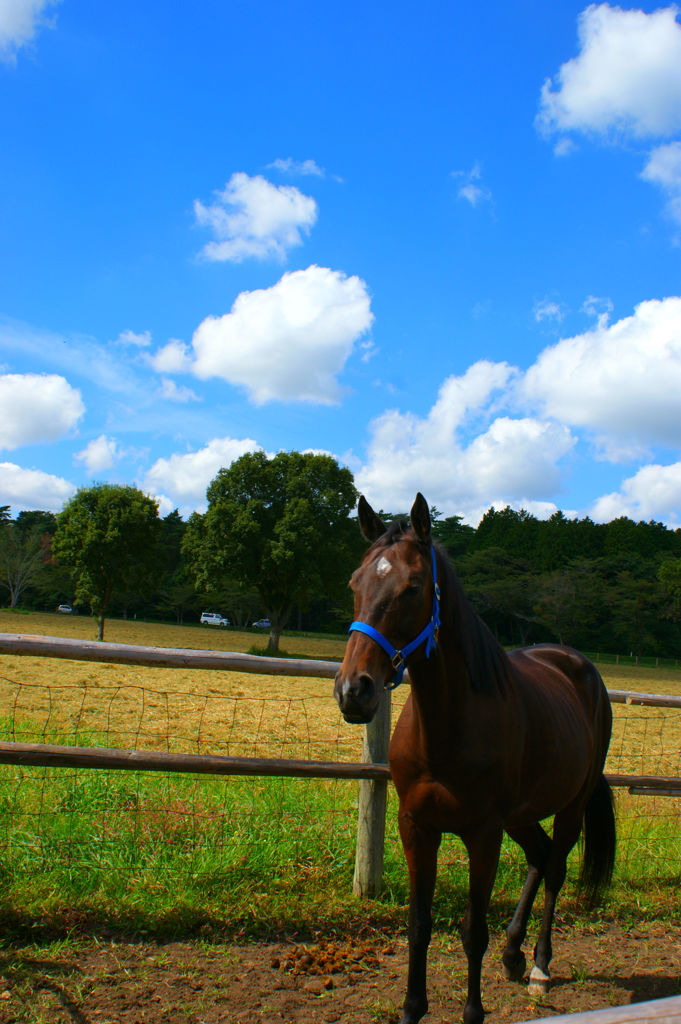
{"type": "Point", "coordinates": [383, 567]}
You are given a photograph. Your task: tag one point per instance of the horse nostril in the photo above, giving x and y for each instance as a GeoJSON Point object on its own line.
{"type": "Point", "coordinates": [365, 688]}
{"type": "Point", "coordinates": [358, 690]}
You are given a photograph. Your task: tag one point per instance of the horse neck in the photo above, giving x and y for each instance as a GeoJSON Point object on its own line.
{"type": "Point", "coordinates": [441, 693]}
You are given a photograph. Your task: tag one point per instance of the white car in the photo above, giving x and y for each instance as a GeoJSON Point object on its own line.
{"type": "Point", "coordinates": [213, 619]}
{"type": "Point", "coordinates": [65, 609]}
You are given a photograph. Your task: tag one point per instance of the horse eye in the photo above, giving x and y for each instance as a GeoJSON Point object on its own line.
{"type": "Point", "coordinates": [413, 589]}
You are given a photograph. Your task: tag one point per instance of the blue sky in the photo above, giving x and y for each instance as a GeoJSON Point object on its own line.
{"type": "Point", "coordinates": [441, 242]}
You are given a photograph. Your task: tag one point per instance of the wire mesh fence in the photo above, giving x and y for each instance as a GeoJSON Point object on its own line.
{"type": "Point", "coordinates": [646, 741]}
{"type": "Point", "coordinates": [163, 822]}
{"type": "Point", "coordinates": [234, 719]}
{"type": "Point", "coordinates": [110, 821]}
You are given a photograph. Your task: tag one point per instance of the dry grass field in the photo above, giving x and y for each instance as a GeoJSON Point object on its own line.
{"type": "Point", "coordinates": [189, 710]}
{"type": "Point", "coordinates": [244, 714]}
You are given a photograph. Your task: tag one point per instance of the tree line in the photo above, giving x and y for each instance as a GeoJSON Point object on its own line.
{"type": "Point", "coordinates": [596, 586]}
{"type": "Point", "coordinates": [278, 539]}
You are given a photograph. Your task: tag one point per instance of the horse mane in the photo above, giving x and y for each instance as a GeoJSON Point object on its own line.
{"type": "Point", "coordinates": [488, 664]}
{"type": "Point", "coordinates": [486, 660]}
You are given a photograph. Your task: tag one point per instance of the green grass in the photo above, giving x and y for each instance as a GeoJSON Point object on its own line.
{"type": "Point", "coordinates": [169, 855]}
{"type": "Point", "coordinates": [152, 851]}
{"type": "Point", "coordinates": [159, 855]}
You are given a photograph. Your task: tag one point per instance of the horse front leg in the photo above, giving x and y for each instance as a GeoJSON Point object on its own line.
{"type": "Point", "coordinates": [483, 852]}
{"type": "Point", "coordinates": [420, 848]}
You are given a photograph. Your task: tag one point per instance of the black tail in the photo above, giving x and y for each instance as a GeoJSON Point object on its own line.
{"type": "Point", "coordinates": [599, 842]}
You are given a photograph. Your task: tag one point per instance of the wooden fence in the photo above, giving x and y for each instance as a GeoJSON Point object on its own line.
{"type": "Point", "coordinates": [373, 771]}
{"type": "Point", "coordinates": [660, 1011]}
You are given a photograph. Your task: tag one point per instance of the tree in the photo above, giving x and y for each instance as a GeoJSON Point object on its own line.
{"type": "Point", "coordinates": [570, 602]}
{"type": "Point", "coordinates": [23, 555]}
{"type": "Point", "coordinates": [454, 535]}
{"type": "Point", "coordinates": [514, 531]}
{"type": "Point", "coordinates": [669, 575]}
{"type": "Point", "coordinates": [636, 610]}
{"type": "Point", "coordinates": [106, 536]}
{"type": "Point", "coordinates": [37, 521]}
{"type": "Point", "coordinates": [501, 588]}
{"type": "Point", "coordinates": [174, 589]}
{"type": "Point", "coordinates": [280, 525]}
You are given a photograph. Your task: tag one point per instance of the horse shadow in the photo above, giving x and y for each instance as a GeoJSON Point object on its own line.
{"type": "Point", "coordinates": [641, 987]}
{"type": "Point", "coordinates": [50, 974]}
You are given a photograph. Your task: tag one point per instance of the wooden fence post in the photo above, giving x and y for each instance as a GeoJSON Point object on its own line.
{"type": "Point", "coordinates": [373, 795]}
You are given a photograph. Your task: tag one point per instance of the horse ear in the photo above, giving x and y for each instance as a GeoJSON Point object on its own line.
{"type": "Point", "coordinates": [420, 518]}
{"type": "Point", "coordinates": [371, 525]}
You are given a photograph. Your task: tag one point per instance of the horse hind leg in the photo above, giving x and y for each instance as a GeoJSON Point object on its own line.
{"type": "Point", "coordinates": [536, 846]}
{"type": "Point", "coordinates": [599, 856]}
{"type": "Point", "coordinates": [566, 828]}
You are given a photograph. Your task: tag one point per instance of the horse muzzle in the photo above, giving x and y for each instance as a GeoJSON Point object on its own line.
{"type": "Point", "coordinates": [358, 697]}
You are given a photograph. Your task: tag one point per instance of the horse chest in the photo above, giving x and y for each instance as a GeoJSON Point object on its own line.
{"type": "Point", "coordinates": [450, 795]}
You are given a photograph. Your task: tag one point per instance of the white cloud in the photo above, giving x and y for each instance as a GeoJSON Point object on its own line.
{"type": "Point", "coordinates": [497, 436]}
{"type": "Point", "coordinates": [20, 20]}
{"type": "Point", "coordinates": [173, 392]}
{"type": "Point", "coordinates": [36, 408]}
{"type": "Point", "coordinates": [564, 146]}
{"type": "Point", "coordinates": [513, 461]}
{"type": "Point", "coordinates": [303, 167]}
{"type": "Point", "coordinates": [319, 451]}
{"type": "Point", "coordinates": [626, 78]}
{"type": "Point", "coordinates": [598, 308]}
{"type": "Point", "coordinates": [141, 340]}
{"type": "Point", "coordinates": [185, 477]}
{"type": "Point", "coordinates": [547, 309]}
{"type": "Point", "coordinates": [33, 489]}
{"type": "Point", "coordinates": [108, 366]}
{"type": "Point", "coordinates": [474, 194]}
{"type": "Point", "coordinates": [664, 170]}
{"type": "Point", "coordinates": [99, 454]}
{"type": "Point", "coordinates": [654, 492]}
{"type": "Point", "coordinates": [517, 458]}
{"type": "Point", "coordinates": [622, 382]}
{"type": "Point", "coordinates": [287, 342]}
{"type": "Point", "coordinates": [172, 358]}
{"type": "Point", "coordinates": [253, 218]}
{"type": "Point", "coordinates": [368, 350]}
{"type": "Point", "coordinates": [472, 189]}
{"type": "Point", "coordinates": [459, 396]}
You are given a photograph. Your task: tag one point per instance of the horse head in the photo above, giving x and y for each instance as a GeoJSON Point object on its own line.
{"type": "Point", "coordinates": [396, 609]}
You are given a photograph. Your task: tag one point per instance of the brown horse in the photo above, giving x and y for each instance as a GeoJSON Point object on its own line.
{"type": "Point", "coordinates": [487, 742]}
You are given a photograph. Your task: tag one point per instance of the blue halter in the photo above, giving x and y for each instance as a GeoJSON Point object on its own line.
{"type": "Point", "coordinates": [429, 633]}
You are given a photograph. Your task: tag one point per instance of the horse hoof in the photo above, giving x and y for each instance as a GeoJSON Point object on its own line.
{"type": "Point", "coordinates": [514, 970]}
{"type": "Point", "coordinates": [473, 1014]}
{"type": "Point", "coordinates": [539, 982]}
{"type": "Point", "coordinates": [413, 1012]}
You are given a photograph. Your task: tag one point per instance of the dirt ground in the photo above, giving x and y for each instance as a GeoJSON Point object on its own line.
{"type": "Point", "coordinates": [354, 981]}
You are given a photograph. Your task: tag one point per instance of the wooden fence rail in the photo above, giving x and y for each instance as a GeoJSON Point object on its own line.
{"type": "Point", "coordinates": [48, 755]}
{"type": "Point", "coordinates": [168, 657]}
{"type": "Point", "coordinates": [660, 1011]}
{"type": "Point", "coordinates": [373, 772]}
